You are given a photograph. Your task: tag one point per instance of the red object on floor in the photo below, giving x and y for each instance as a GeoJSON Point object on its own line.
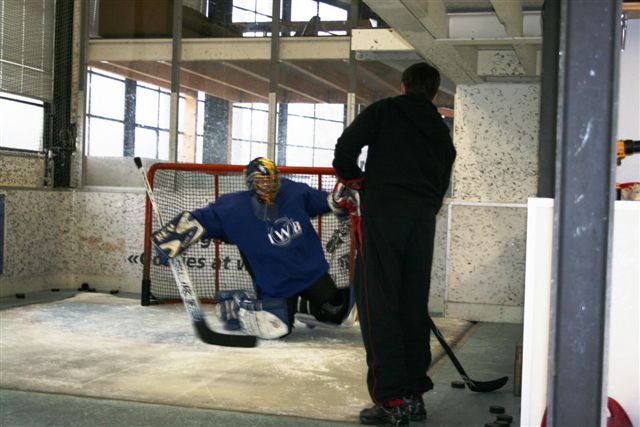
{"type": "Point", "coordinates": [618, 417]}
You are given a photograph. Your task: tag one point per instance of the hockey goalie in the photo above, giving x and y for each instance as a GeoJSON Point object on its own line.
{"type": "Point", "coordinates": [270, 223]}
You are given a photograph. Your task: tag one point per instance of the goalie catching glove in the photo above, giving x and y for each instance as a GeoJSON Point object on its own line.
{"type": "Point", "coordinates": [176, 236]}
{"type": "Point", "coordinates": [345, 197]}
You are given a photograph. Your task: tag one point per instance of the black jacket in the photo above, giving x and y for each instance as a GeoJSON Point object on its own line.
{"type": "Point", "coordinates": [409, 157]}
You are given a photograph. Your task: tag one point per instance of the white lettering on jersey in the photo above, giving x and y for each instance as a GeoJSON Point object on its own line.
{"type": "Point", "coordinates": [283, 231]}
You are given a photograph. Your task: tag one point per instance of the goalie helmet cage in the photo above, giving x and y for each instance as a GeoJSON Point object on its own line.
{"type": "Point", "coordinates": [216, 265]}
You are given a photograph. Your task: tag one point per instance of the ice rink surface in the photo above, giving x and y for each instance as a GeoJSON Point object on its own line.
{"type": "Point", "coordinates": [104, 346]}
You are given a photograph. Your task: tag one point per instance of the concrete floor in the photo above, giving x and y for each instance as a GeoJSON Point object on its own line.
{"type": "Point", "coordinates": [486, 352]}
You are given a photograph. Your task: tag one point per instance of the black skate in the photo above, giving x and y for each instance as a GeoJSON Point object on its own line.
{"type": "Point", "coordinates": [417, 411]}
{"type": "Point", "coordinates": [379, 415]}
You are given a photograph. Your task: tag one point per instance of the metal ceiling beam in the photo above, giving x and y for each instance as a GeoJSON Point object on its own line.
{"type": "Point", "coordinates": [413, 30]}
{"type": "Point", "coordinates": [329, 77]}
{"type": "Point", "coordinates": [379, 40]}
{"type": "Point", "coordinates": [528, 57]}
{"type": "Point", "coordinates": [249, 69]}
{"type": "Point", "coordinates": [492, 41]}
{"type": "Point", "coordinates": [469, 55]}
{"type": "Point", "coordinates": [309, 74]}
{"type": "Point", "coordinates": [453, 45]}
{"type": "Point", "coordinates": [127, 71]}
{"type": "Point", "coordinates": [509, 13]}
{"type": "Point", "coordinates": [486, 25]}
{"type": "Point", "coordinates": [257, 93]}
{"type": "Point", "coordinates": [432, 14]}
{"type": "Point", "coordinates": [227, 49]}
{"type": "Point", "coordinates": [378, 73]}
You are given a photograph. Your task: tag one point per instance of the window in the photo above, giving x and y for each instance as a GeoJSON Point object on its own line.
{"type": "Point", "coordinates": [26, 48]}
{"type": "Point", "coordinates": [26, 71]}
{"type": "Point", "coordinates": [200, 128]}
{"type": "Point", "coordinates": [254, 14]}
{"type": "Point", "coordinates": [249, 132]}
{"type": "Point", "coordinates": [304, 10]}
{"type": "Point", "coordinates": [252, 11]}
{"type": "Point", "coordinates": [152, 121]}
{"type": "Point", "coordinates": [311, 133]}
{"type": "Point", "coordinates": [21, 122]}
{"type": "Point", "coordinates": [128, 118]}
{"type": "Point", "coordinates": [105, 114]}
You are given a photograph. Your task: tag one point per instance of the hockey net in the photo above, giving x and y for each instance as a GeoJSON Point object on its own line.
{"type": "Point", "coordinates": [212, 264]}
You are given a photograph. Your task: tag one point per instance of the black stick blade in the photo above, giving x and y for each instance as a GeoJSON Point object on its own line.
{"type": "Point", "coordinates": [210, 337]}
{"type": "Point", "coordinates": [138, 162]}
{"type": "Point", "coordinates": [485, 386]}
{"type": "Point", "coordinates": [478, 386]}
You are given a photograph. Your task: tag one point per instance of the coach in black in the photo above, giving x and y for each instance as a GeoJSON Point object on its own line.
{"type": "Point", "coordinates": [407, 172]}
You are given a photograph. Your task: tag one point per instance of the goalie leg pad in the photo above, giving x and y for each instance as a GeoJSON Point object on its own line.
{"type": "Point", "coordinates": [267, 318]}
{"type": "Point", "coordinates": [177, 235]}
{"type": "Point", "coordinates": [227, 307]}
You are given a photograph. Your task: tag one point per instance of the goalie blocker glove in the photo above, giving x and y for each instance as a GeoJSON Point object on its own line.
{"type": "Point", "coordinates": [345, 197]}
{"type": "Point", "coordinates": [176, 236]}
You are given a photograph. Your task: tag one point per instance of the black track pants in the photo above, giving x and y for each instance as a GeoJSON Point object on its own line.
{"type": "Point", "coordinates": [392, 294]}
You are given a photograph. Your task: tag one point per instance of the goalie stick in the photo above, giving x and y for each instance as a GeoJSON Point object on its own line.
{"type": "Point", "coordinates": [479, 386]}
{"type": "Point", "coordinates": [187, 293]}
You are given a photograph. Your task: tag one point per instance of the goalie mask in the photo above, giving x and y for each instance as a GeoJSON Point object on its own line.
{"type": "Point", "coordinates": [263, 179]}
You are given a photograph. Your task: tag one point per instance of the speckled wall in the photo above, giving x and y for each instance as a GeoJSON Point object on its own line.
{"type": "Point", "coordinates": [2, 196]}
{"type": "Point", "coordinates": [38, 242]}
{"type": "Point", "coordinates": [16, 171]}
{"type": "Point", "coordinates": [496, 136]}
{"type": "Point", "coordinates": [109, 231]}
{"type": "Point", "coordinates": [60, 239]}
{"type": "Point", "coordinates": [439, 267]}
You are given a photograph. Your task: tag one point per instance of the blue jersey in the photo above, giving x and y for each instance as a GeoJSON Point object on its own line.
{"type": "Point", "coordinates": [284, 252]}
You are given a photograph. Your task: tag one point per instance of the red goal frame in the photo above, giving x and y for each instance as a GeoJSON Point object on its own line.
{"type": "Point", "coordinates": [217, 170]}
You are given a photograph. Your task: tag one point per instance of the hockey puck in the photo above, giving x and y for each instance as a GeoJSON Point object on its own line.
{"type": "Point", "coordinates": [84, 287]}
{"type": "Point", "coordinates": [114, 291]}
{"type": "Point", "coordinates": [457, 384]}
{"type": "Point", "coordinates": [20, 296]}
{"type": "Point", "coordinates": [55, 290]}
{"type": "Point", "coordinates": [496, 409]}
{"type": "Point", "coordinates": [504, 417]}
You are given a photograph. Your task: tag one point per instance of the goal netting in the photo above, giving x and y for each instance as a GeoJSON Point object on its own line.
{"type": "Point", "coordinates": [215, 265]}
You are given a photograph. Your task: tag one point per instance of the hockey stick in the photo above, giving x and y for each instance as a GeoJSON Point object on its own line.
{"type": "Point", "coordinates": [479, 386]}
{"type": "Point", "coordinates": [187, 293]}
